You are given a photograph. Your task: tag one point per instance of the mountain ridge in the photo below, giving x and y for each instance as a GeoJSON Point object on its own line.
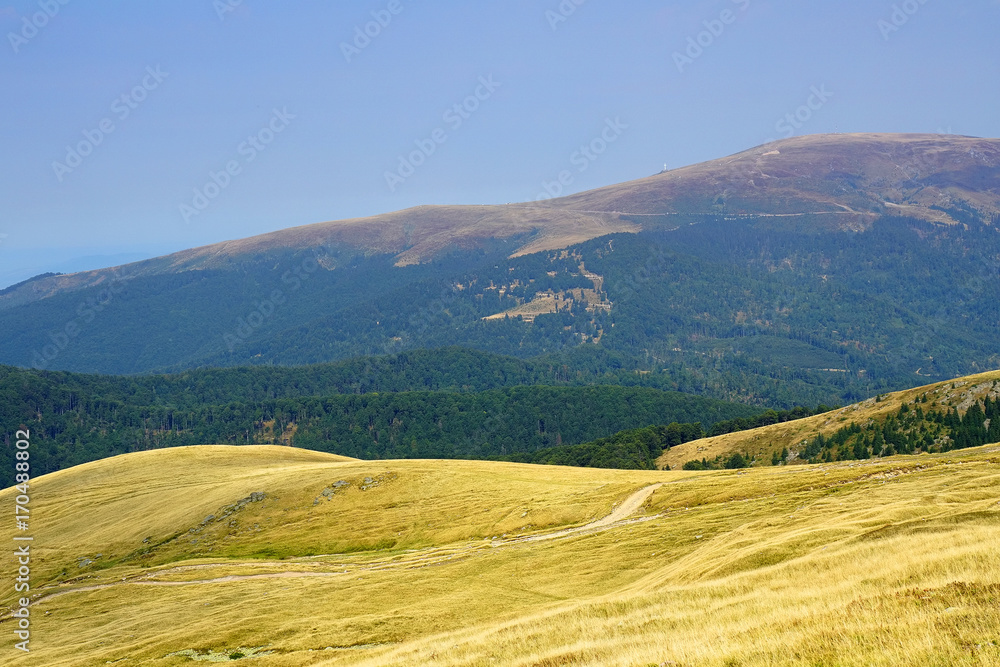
{"type": "Point", "coordinates": [844, 181]}
{"type": "Point", "coordinates": [801, 287]}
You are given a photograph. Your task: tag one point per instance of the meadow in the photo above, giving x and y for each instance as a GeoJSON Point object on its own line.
{"type": "Point", "coordinates": [280, 556]}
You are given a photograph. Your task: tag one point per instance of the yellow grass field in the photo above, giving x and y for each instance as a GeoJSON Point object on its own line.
{"type": "Point", "coordinates": [312, 559]}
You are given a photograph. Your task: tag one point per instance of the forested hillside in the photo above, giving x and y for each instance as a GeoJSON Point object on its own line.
{"type": "Point", "coordinates": [935, 418]}
{"type": "Point", "coordinates": [632, 449]}
{"type": "Point", "coordinates": [754, 311]}
{"type": "Point", "coordinates": [857, 265]}
{"type": "Point", "coordinates": [911, 430]}
{"type": "Point", "coordinates": [400, 409]}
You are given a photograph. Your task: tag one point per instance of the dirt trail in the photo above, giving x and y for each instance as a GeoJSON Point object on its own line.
{"type": "Point", "coordinates": [627, 508]}
{"type": "Point", "coordinates": [619, 516]}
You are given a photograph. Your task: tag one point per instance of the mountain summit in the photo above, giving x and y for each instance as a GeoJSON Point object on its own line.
{"type": "Point", "coordinates": [813, 269]}
{"type": "Point", "coordinates": [839, 180]}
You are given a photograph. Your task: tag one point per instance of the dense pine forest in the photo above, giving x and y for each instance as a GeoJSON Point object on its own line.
{"type": "Point", "coordinates": [434, 404]}
{"type": "Point", "coordinates": [910, 431]}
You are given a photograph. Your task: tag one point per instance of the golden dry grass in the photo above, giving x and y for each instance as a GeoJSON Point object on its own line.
{"type": "Point", "coordinates": [878, 563]}
{"type": "Point", "coordinates": [761, 442]}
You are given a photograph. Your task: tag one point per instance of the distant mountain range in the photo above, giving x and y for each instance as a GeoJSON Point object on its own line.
{"type": "Point", "coordinates": [813, 269]}
{"type": "Point", "coordinates": [844, 180]}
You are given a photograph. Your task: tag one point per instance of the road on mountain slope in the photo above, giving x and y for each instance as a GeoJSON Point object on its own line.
{"type": "Point", "coordinates": [847, 210]}
{"type": "Point", "coordinates": [619, 516]}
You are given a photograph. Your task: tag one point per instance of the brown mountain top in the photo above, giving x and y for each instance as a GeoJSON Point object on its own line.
{"type": "Point", "coordinates": [842, 181]}
{"type": "Point", "coordinates": [855, 176]}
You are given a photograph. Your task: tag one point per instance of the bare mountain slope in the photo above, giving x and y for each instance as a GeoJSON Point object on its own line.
{"type": "Point", "coordinates": [413, 235]}
{"type": "Point", "coordinates": [854, 177]}
{"type": "Point", "coordinates": [841, 181]}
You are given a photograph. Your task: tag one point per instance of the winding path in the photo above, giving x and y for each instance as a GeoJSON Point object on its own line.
{"type": "Point", "coordinates": [619, 516]}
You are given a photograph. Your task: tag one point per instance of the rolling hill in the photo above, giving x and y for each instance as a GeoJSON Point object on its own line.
{"type": "Point", "coordinates": [917, 417]}
{"type": "Point", "coordinates": [160, 558]}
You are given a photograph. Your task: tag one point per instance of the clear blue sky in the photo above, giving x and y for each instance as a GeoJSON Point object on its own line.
{"type": "Point", "coordinates": [200, 77]}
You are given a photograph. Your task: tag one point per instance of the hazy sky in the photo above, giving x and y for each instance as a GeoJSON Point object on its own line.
{"type": "Point", "coordinates": [133, 128]}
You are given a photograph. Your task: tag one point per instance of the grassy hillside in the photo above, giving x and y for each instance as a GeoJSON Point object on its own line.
{"type": "Point", "coordinates": [842, 180]}
{"type": "Point", "coordinates": [901, 407]}
{"type": "Point", "coordinates": [301, 558]}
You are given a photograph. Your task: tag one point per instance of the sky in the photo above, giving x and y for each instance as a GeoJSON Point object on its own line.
{"type": "Point", "coordinates": [134, 129]}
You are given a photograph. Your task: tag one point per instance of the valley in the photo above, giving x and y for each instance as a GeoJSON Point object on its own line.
{"type": "Point", "coordinates": [503, 334]}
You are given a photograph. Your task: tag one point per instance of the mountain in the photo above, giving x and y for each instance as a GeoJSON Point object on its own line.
{"type": "Point", "coordinates": [845, 180]}
{"type": "Point", "coordinates": [810, 270]}
{"type": "Point", "coordinates": [161, 558]}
